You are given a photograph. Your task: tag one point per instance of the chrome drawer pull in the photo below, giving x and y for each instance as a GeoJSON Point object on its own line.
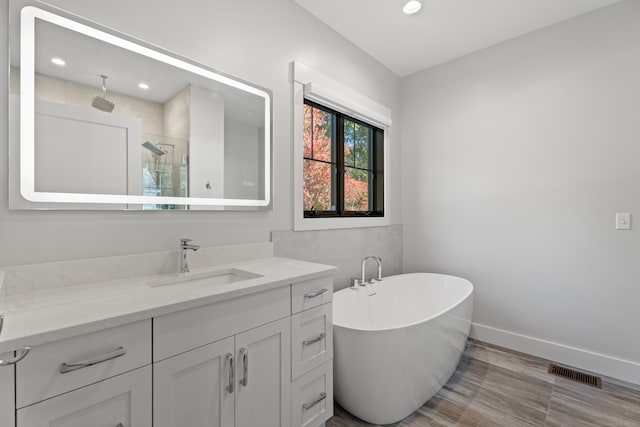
{"type": "Point", "coordinates": [314, 340]}
{"type": "Point", "coordinates": [244, 356]}
{"type": "Point", "coordinates": [70, 367]}
{"type": "Point", "coordinates": [310, 405]}
{"type": "Point", "coordinates": [21, 355]}
{"type": "Point", "coordinates": [232, 379]}
{"type": "Point", "coordinates": [317, 293]}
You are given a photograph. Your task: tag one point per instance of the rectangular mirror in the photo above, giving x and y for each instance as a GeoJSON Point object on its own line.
{"type": "Point", "coordinates": [100, 120]}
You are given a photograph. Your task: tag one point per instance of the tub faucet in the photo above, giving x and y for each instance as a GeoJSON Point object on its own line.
{"type": "Point", "coordinates": [363, 280]}
{"type": "Point", "coordinates": [184, 248]}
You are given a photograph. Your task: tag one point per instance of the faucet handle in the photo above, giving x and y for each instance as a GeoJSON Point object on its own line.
{"type": "Point", "coordinates": [185, 241]}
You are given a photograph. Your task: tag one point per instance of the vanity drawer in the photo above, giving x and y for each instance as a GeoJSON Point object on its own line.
{"type": "Point", "coordinates": [312, 397]}
{"type": "Point", "coordinates": [108, 353]}
{"type": "Point", "coordinates": [311, 339]}
{"type": "Point", "coordinates": [123, 400]}
{"type": "Point", "coordinates": [311, 293]}
{"type": "Point", "coordinates": [184, 330]}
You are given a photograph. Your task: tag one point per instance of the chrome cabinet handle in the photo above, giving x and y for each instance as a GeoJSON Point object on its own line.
{"type": "Point", "coordinates": [232, 379]}
{"type": "Point", "coordinates": [244, 356]}
{"type": "Point", "coordinates": [310, 405]}
{"type": "Point", "coordinates": [74, 366]}
{"type": "Point", "coordinates": [316, 293]}
{"type": "Point", "coordinates": [21, 355]}
{"type": "Point", "coordinates": [314, 340]}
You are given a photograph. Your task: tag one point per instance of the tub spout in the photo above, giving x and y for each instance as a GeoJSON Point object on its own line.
{"type": "Point", "coordinates": [363, 280]}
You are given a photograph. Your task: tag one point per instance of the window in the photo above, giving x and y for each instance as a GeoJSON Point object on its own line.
{"type": "Point", "coordinates": [341, 178]}
{"type": "Point", "coordinates": [343, 166]}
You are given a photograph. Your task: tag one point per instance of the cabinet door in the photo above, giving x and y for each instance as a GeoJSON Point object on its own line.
{"type": "Point", "coordinates": [190, 389]}
{"type": "Point", "coordinates": [121, 401]}
{"type": "Point", "coordinates": [7, 393]}
{"type": "Point", "coordinates": [263, 387]}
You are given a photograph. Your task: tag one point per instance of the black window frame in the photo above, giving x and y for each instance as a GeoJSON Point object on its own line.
{"type": "Point", "coordinates": [376, 160]}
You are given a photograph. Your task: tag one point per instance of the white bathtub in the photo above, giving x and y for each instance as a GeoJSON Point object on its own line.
{"type": "Point", "coordinates": [397, 342]}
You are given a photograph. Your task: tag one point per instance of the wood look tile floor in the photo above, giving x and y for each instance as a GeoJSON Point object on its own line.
{"type": "Point", "coordinates": [494, 386]}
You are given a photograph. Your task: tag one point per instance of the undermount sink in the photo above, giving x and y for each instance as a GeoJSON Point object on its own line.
{"type": "Point", "coordinates": [217, 277]}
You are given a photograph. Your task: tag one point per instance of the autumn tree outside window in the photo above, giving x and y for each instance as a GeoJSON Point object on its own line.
{"type": "Point", "coordinates": [343, 165]}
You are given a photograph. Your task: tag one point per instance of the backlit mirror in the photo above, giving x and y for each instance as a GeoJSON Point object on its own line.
{"type": "Point", "coordinates": [99, 120]}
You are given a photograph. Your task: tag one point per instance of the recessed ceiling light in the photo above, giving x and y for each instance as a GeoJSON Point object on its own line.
{"type": "Point", "coordinates": [412, 7]}
{"type": "Point", "coordinates": [143, 86]}
{"type": "Point", "coordinates": [58, 61]}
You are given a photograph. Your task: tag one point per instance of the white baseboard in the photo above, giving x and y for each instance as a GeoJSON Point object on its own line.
{"type": "Point", "coordinates": [610, 366]}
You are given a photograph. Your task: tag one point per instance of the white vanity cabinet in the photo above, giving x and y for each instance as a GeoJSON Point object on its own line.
{"type": "Point", "coordinates": [193, 388]}
{"type": "Point", "coordinates": [234, 363]}
{"type": "Point", "coordinates": [262, 379]}
{"type": "Point", "coordinates": [256, 359]}
{"type": "Point", "coordinates": [99, 379]}
{"type": "Point", "coordinates": [7, 392]}
{"type": "Point", "coordinates": [312, 352]}
{"type": "Point", "coordinates": [61, 366]}
{"type": "Point", "coordinates": [240, 381]}
{"type": "Point", "coordinates": [121, 401]}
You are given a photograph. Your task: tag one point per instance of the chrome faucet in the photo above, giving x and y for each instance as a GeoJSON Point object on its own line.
{"type": "Point", "coordinates": [363, 280]}
{"type": "Point", "coordinates": [184, 248]}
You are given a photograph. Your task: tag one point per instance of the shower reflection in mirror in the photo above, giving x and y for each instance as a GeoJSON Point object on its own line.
{"type": "Point", "coordinates": [162, 175]}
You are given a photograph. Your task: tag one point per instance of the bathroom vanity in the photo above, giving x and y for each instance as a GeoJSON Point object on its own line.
{"type": "Point", "coordinates": [240, 339]}
{"type": "Point", "coordinates": [159, 350]}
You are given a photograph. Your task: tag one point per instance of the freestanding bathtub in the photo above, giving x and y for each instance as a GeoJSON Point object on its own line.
{"type": "Point", "coordinates": [397, 342]}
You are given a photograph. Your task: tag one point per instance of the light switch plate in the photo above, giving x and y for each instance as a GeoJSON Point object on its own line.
{"type": "Point", "coordinates": [623, 221]}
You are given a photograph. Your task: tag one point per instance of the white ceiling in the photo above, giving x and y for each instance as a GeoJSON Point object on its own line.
{"type": "Point", "coordinates": [443, 29]}
{"type": "Point", "coordinates": [87, 58]}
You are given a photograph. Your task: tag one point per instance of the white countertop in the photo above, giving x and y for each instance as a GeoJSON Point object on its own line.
{"type": "Point", "coordinates": [42, 316]}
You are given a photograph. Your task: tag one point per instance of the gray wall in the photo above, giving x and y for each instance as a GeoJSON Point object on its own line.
{"type": "Point", "coordinates": [344, 249]}
{"type": "Point", "coordinates": [515, 161]}
{"type": "Point", "coordinates": [252, 39]}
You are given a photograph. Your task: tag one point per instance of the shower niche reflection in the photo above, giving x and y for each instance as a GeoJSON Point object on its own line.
{"type": "Point", "coordinates": [100, 120]}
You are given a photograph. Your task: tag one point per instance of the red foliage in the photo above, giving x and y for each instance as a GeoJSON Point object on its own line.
{"type": "Point", "coordinates": [317, 187]}
{"type": "Point", "coordinates": [317, 145]}
{"type": "Point", "coordinates": [356, 194]}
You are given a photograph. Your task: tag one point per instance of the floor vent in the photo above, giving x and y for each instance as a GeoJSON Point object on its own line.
{"type": "Point", "coordinates": [577, 376]}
